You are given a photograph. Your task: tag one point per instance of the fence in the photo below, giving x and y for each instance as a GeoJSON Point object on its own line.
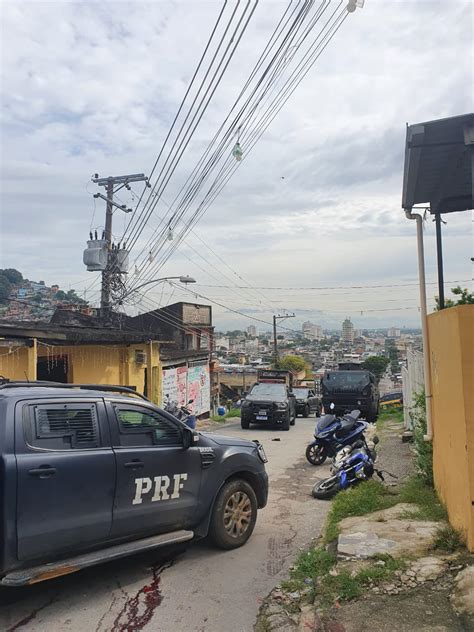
{"type": "Point", "coordinates": [412, 383]}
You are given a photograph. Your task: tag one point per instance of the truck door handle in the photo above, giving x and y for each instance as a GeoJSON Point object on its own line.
{"type": "Point", "coordinates": [134, 465]}
{"type": "Point", "coordinates": [45, 471]}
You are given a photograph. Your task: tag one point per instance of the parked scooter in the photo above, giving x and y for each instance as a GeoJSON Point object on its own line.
{"type": "Point", "coordinates": [183, 413]}
{"type": "Point", "coordinates": [356, 465]}
{"type": "Point", "coordinates": [332, 433]}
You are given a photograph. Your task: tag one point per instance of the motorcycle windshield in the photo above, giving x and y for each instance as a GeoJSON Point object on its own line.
{"type": "Point", "coordinates": [325, 421]}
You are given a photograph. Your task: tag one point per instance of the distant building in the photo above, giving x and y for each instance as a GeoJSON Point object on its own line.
{"type": "Point", "coordinates": [312, 331]}
{"type": "Point", "coordinates": [393, 332]}
{"type": "Point", "coordinates": [252, 330]}
{"type": "Point", "coordinates": [347, 331]}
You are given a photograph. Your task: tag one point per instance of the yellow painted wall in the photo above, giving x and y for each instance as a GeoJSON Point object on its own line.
{"type": "Point", "coordinates": [18, 362]}
{"type": "Point", "coordinates": [88, 364]}
{"type": "Point", "coordinates": [451, 336]}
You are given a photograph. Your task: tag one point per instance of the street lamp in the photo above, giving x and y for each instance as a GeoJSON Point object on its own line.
{"type": "Point", "coordinates": [182, 279]}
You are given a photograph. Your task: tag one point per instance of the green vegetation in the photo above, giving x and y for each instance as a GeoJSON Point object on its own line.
{"type": "Point", "coordinates": [308, 568]}
{"type": "Point", "coordinates": [233, 412]}
{"type": "Point", "coordinates": [357, 501]}
{"type": "Point", "coordinates": [314, 568]}
{"type": "Point", "coordinates": [448, 539]}
{"type": "Point", "coordinates": [293, 363]}
{"type": "Point", "coordinates": [389, 414]}
{"type": "Point", "coordinates": [465, 298]}
{"type": "Point", "coordinates": [416, 490]}
{"type": "Point", "coordinates": [13, 276]}
{"type": "Point", "coordinates": [346, 586]}
{"type": "Point", "coordinates": [376, 365]}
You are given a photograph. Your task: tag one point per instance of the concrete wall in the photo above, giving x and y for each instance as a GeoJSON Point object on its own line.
{"type": "Point", "coordinates": [413, 383]}
{"type": "Point", "coordinates": [451, 336]}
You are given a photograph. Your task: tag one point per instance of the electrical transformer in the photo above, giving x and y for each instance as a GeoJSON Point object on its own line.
{"type": "Point", "coordinates": [95, 255]}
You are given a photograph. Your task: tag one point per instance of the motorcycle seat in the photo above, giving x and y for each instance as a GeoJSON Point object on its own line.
{"type": "Point", "coordinates": [353, 415]}
{"type": "Point", "coordinates": [347, 424]}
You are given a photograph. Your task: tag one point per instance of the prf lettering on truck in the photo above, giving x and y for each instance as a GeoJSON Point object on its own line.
{"type": "Point", "coordinates": [161, 486]}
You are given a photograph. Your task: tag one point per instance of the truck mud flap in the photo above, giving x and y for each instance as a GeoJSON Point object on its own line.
{"type": "Point", "coordinates": [37, 574]}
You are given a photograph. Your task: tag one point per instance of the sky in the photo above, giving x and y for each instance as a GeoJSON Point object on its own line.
{"type": "Point", "coordinates": [93, 87]}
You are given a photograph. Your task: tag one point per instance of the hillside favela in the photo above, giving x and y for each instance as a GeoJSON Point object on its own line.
{"type": "Point", "coordinates": [237, 316]}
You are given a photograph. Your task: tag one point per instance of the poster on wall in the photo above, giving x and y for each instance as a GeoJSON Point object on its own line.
{"type": "Point", "coordinates": [181, 385]}
{"type": "Point", "coordinates": [199, 389]}
{"type": "Point", "coordinates": [169, 386]}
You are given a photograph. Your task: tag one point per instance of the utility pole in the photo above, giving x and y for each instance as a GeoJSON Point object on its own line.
{"type": "Point", "coordinates": [275, 344]}
{"type": "Point", "coordinates": [109, 183]}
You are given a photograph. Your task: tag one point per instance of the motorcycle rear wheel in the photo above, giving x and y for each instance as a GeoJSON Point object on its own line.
{"type": "Point", "coordinates": [316, 454]}
{"type": "Point", "coordinates": [327, 488]}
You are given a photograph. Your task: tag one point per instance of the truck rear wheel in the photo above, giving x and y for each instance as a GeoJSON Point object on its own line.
{"type": "Point", "coordinates": [234, 515]}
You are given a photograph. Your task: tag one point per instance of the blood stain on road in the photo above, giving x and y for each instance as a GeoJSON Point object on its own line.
{"type": "Point", "coordinates": [138, 611]}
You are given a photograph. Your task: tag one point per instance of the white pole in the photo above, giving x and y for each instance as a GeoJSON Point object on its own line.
{"type": "Point", "coordinates": [424, 319]}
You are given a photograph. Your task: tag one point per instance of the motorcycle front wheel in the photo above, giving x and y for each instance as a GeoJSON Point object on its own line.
{"type": "Point", "coordinates": [326, 488]}
{"type": "Point", "coordinates": [316, 454]}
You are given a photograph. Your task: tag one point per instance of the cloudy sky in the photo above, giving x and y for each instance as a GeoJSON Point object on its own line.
{"type": "Point", "coordinates": [93, 87]}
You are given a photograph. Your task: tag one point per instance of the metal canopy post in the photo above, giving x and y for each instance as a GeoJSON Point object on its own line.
{"type": "Point", "coordinates": [439, 253]}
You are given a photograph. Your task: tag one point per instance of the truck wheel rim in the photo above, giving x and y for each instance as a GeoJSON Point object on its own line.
{"type": "Point", "coordinates": [237, 514]}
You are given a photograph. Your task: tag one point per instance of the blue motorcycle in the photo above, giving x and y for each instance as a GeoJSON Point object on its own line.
{"type": "Point", "coordinates": [355, 466]}
{"type": "Point", "coordinates": [332, 433]}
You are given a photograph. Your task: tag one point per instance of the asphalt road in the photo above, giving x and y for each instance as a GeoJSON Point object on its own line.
{"type": "Point", "coordinates": [196, 588]}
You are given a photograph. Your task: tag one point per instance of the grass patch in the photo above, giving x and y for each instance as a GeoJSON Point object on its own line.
{"type": "Point", "coordinates": [415, 490]}
{"type": "Point", "coordinates": [309, 565]}
{"type": "Point", "coordinates": [233, 412]}
{"type": "Point", "coordinates": [346, 586]}
{"type": "Point", "coordinates": [389, 415]}
{"type": "Point", "coordinates": [448, 539]}
{"type": "Point", "coordinates": [357, 501]}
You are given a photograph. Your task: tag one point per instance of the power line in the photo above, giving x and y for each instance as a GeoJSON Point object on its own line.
{"type": "Point", "coordinates": [302, 72]}
{"type": "Point", "coordinates": [194, 186]}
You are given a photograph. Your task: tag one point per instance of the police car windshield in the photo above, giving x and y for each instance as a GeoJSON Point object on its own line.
{"type": "Point", "coordinates": [300, 392]}
{"type": "Point", "coordinates": [269, 390]}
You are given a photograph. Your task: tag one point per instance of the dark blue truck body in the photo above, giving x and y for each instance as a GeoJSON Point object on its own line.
{"type": "Point", "coordinates": [84, 470]}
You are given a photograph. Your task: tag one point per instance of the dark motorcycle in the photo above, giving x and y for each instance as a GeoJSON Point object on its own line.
{"type": "Point", "coordinates": [332, 433]}
{"type": "Point", "coordinates": [356, 465]}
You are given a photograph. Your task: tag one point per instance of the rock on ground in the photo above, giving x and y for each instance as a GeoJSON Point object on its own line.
{"type": "Point", "coordinates": [385, 531]}
{"type": "Point", "coordinates": [463, 596]}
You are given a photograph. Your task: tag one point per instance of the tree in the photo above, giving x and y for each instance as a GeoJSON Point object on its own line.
{"type": "Point", "coordinates": [465, 298]}
{"type": "Point", "coordinates": [14, 277]}
{"type": "Point", "coordinates": [376, 365]}
{"type": "Point", "coordinates": [5, 288]}
{"type": "Point", "coordinates": [293, 363]}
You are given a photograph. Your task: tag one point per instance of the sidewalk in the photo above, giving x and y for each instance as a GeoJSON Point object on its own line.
{"type": "Point", "coordinates": [385, 570]}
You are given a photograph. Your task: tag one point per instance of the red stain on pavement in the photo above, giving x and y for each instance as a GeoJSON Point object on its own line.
{"type": "Point", "coordinates": [139, 610]}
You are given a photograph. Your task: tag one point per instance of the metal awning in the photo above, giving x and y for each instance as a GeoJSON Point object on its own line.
{"type": "Point", "coordinates": [439, 165]}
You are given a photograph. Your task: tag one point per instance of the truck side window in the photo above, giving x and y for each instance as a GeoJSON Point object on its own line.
{"type": "Point", "coordinates": [140, 427]}
{"type": "Point", "coordinates": [62, 427]}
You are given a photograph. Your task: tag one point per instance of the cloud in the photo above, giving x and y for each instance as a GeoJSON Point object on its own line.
{"type": "Point", "coordinates": [316, 201]}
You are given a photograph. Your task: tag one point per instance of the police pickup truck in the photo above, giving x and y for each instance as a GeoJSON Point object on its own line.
{"type": "Point", "coordinates": [270, 401]}
{"type": "Point", "coordinates": [93, 473]}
